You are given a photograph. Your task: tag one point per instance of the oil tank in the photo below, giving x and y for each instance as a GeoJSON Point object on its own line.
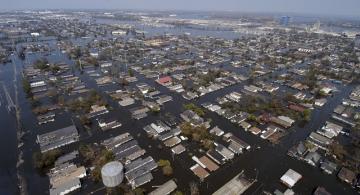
{"type": "Point", "coordinates": [112, 174]}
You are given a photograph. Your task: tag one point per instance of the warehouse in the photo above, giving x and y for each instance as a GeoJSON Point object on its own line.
{"type": "Point", "coordinates": [58, 138]}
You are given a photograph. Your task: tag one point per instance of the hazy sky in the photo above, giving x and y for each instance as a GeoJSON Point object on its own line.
{"type": "Point", "coordinates": [323, 7]}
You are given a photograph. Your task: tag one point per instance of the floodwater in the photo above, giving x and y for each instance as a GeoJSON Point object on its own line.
{"type": "Point", "coordinates": [267, 163]}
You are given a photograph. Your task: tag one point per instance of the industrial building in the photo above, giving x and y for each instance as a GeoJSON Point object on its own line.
{"type": "Point", "coordinates": [58, 138]}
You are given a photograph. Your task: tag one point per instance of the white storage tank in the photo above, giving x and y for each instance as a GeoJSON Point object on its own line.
{"type": "Point", "coordinates": [112, 174]}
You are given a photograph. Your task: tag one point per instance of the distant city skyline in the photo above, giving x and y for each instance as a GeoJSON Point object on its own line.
{"type": "Point", "coordinates": [319, 7]}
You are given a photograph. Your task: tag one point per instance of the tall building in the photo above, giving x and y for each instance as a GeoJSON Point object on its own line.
{"type": "Point", "coordinates": [316, 26]}
{"type": "Point", "coordinates": [357, 41]}
{"type": "Point", "coordinates": [284, 20]}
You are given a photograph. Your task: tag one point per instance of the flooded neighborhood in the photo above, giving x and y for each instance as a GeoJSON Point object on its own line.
{"type": "Point", "coordinates": [160, 102]}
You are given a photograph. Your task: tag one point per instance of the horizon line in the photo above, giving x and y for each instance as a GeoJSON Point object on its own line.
{"type": "Point", "coordinates": [182, 10]}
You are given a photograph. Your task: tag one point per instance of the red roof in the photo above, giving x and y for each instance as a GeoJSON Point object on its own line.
{"type": "Point", "coordinates": [164, 80]}
{"type": "Point", "coordinates": [296, 108]}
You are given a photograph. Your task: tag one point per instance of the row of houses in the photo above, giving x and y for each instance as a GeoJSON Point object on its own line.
{"type": "Point", "coordinates": [278, 123]}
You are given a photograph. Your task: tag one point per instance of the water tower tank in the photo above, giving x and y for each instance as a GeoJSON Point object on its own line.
{"type": "Point", "coordinates": [112, 174]}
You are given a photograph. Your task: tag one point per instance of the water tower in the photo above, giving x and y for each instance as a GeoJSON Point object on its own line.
{"type": "Point", "coordinates": [112, 174]}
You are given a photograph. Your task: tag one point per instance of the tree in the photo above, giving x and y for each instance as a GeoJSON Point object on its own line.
{"type": "Point", "coordinates": [166, 167]}
{"type": "Point", "coordinates": [42, 64]}
{"type": "Point", "coordinates": [178, 193]}
{"type": "Point", "coordinates": [167, 170]}
{"type": "Point", "coordinates": [84, 120]}
{"type": "Point", "coordinates": [306, 114]}
{"type": "Point", "coordinates": [199, 111]}
{"type": "Point", "coordinates": [77, 53]}
{"type": "Point", "coordinates": [104, 157]}
{"type": "Point", "coordinates": [21, 53]}
{"type": "Point", "coordinates": [162, 163]}
{"type": "Point", "coordinates": [139, 191]}
{"type": "Point", "coordinates": [61, 100]}
{"type": "Point", "coordinates": [131, 73]}
{"type": "Point", "coordinates": [198, 134]}
{"type": "Point", "coordinates": [44, 161]}
{"type": "Point", "coordinates": [27, 87]}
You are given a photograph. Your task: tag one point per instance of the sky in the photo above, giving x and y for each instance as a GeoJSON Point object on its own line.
{"type": "Point", "coordinates": [321, 7]}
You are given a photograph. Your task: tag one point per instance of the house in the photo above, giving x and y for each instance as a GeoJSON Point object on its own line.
{"type": "Point", "coordinates": [226, 153]}
{"type": "Point", "coordinates": [94, 54]}
{"type": "Point", "coordinates": [296, 108]}
{"type": "Point", "coordinates": [216, 157]}
{"type": "Point", "coordinates": [321, 191]}
{"type": "Point", "coordinates": [192, 117]}
{"type": "Point", "coordinates": [252, 88]}
{"type": "Point", "coordinates": [108, 123]}
{"type": "Point", "coordinates": [229, 114]}
{"type": "Point", "coordinates": [66, 187]}
{"type": "Point", "coordinates": [328, 167]}
{"type": "Point", "coordinates": [126, 101]}
{"type": "Point", "coordinates": [141, 180]}
{"type": "Point", "coordinates": [37, 84]}
{"type": "Point", "coordinates": [255, 130]}
{"type": "Point", "coordinates": [172, 141]}
{"type": "Point", "coordinates": [242, 116]}
{"type": "Point", "coordinates": [234, 96]}
{"type": "Point", "coordinates": [241, 144]}
{"type": "Point", "coordinates": [298, 150]}
{"type": "Point", "coordinates": [165, 81]}
{"type": "Point", "coordinates": [245, 125]}
{"type": "Point", "coordinates": [65, 178]}
{"type": "Point", "coordinates": [348, 112]}
{"type": "Point", "coordinates": [300, 96]}
{"type": "Point", "coordinates": [214, 108]}
{"type": "Point", "coordinates": [97, 110]}
{"type": "Point", "coordinates": [343, 120]}
{"type": "Point", "coordinates": [330, 130]}
{"type": "Point", "coordinates": [105, 65]}
{"type": "Point", "coordinates": [216, 131]}
{"type": "Point", "coordinates": [199, 171]}
{"type": "Point", "coordinates": [139, 167]}
{"type": "Point", "coordinates": [312, 158]}
{"type": "Point", "coordinates": [287, 192]}
{"type": "Point", "coordinates": [319, 140]}
{"type": "Point", "coordinates": [270, 130]}
{"type": "Point", "coordinates": [45, 118]}
{"type": "Point", "coordinates": [157, 128]}
{"type": "Point", "coordinates": [326, 90]}
{"type": "Point", "coordinates": [118, 32]}
{"type": "Point", "coordinates": [114, 142]}
{"type": "Point", "coordinates": [283, 121]}
{"type": "Point", "coordinates": [339, 109]}
{"type": "Point", "coordinates": [163, 99]}
{"type": "Point", "coordinates": [178, 149]}
{"type": "Point", "coordinates": [320, 102]}
{"type": "Point", "coordinates": [346, 175]}
{"type": "Point", "coordinates": [139, 112]}
{"type": "Point", "coordinates": [190, 95]}
{"type": "Point", "coordinates": [210, 165]}
{"type": "Point", "coordinates": [290, 178]}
